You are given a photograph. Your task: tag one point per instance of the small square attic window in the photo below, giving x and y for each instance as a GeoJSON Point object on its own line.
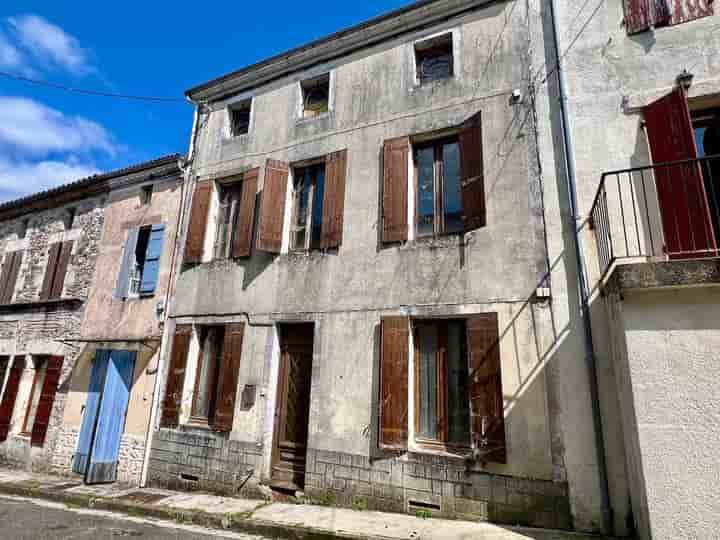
{"type": "Point", "coordinates": [434, 58]}
{"type": "Point", "coordinates": [240, 117]}
{"type": "Point", "coordinates": [315, 96]}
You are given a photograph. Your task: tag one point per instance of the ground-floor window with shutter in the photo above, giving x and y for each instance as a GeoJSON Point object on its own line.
{"type": "Point", "coordinates": [229, 197]}
{"type": "Point", "coordinates": [308, 194]}
{"type": "Point", "coordinates": [208, 369]}
{"type": "Point", "coordinates": [40, 363]}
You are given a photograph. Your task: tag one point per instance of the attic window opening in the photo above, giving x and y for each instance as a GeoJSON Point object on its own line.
{"type": "Point", "coordinates": [23, 228]}
{"type": "Point", "coordinates": [316, 96]}
{"type": "Point", "coordinates": [434, 58]}
{"type": "Point", "coordinates": [146, 194]}
{"type": "Point", "coordinates": [240, 118]}
{"type": "Point", "coordinates": [70, 217]}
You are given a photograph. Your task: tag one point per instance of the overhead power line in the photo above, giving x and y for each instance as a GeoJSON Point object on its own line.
{"type": "Point", "coordinates": [90, 92]}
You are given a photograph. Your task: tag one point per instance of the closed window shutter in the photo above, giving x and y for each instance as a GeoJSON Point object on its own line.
{"type": "Point", "coordinates": [176, 376]}
{"type": "Point", "coordinates": [395, 189]}
{"type": "Point", "coordinates": [334, 200]}
{"type": "Point", "coordinates": [228, 377]}
{"type": "Point", "coordinates": [153, 255]}
{"type": "Point", "coordinates": [487, 418]}
{"type": "Point", "coordinates": [684, 208]}
{"type": "Point", "coordinates": [6, 270]}
{"type": "Point", "coordinates": [61, 270]}
{"type": "Point", "coordinates": [272, 207]}
{"type": "Point", "coordinates": [394, 383]}
{"type": "Point", "coordinates": [47, 399]}
{"type": "Point", "coordinates": [7, 405]}
{"type": "Point", "coordinates": [637, 16]}
{"type": "Point", "coordinates": [47, 286]}
{"type": "Point", "coordinates": [242, 239]}
{"type": "Point", "coordinates": [127, 265]}
{"type": "Point", "coordinates": [11, 270]}
{"type": "Point", "coordinates": [472, 173]}
{"type": "Point", "coordinates": [195, 242]}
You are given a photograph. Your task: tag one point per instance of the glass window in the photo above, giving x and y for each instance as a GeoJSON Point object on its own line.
{"type": "Point", "coordinates": [229, 211]}
{"type": "Point", "coordinates": [208, 368]}
{"type": "Point", "coordinates": [316, 96]}
{"type": "Point", "coordinates": [240, 118]}
{"type": "Point", "coordinates": [426, 192]}
{"type": "Point", "coordinates": [309, 192]}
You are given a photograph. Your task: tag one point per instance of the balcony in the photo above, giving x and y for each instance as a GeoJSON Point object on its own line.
{"type": "Point", "coordinates": [658, 213]}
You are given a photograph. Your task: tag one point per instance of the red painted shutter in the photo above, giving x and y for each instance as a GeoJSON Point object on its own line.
{"type": "Point", "coordinates": [61, 270]}
{"type": "Point", "coordinates": [242, 240]}
{"type": "Point", "coordinates": [10, 272]}
{"type": "Point", "coordinates": [272, 207]}
{"type": "Point", "coordinates": [48, 281]}
{"type": "Point", "coordinates": [6, 269]}
{"type": "Point", "coordinates": [487, 418]}
{"type": "Point", "coordinates": [472, 173]}
{"type": "Point", "coordinates": [395, 334]}
{"type": "Point", "coordinates": [637, 16]}
{"type": "Point", "coordinates": [47, 399]}
{"type": "Point", "coordinates": [195, 241]}
{"type": "Point", "coordinates": [176, 376]}
{"type": "Point", "coordinates": [395, 190]}
{"type": "Point", "coordinates": [684, 208]}
{"type": "Point", "coordinates": [7, 405]}
{"type": "Point", "coordinates": [228, 378]}
{"type": "Point", "coordinates": [334, 200]}
{"type": "Point", "coordinates": [688, 10]}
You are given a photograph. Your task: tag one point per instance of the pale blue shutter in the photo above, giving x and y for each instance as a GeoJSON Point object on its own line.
{"type": "Point", "coordinates": [152, 260]}
{"type": "Point", "coordinates": [128, 265]}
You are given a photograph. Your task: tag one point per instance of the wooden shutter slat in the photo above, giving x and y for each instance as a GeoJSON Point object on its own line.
{"type": "Point", "coordinates": [176, 376]}
{"type": "Point", "coordinates": [228, 377]}
{"type": "Point", "coordinates": [53, 370]}
{"type": "Point", "coordinates": [487, 414]}
{"type": "Point", "coordinates": [47, 286]}
{"type": "Point", "coordinates": [7, 405]}
{"type": "Point", "coordinates": [195, 241]}
{"type": "Point", "coordinates": [272, 207]}
{"type": "Point", "coordinates": [472, 173]}
{"type": "Point", "coordinates": [61, 270]}
{"type": "Point", "coordinates": [242, 240]}
{"type": "Point", "coordinates": [334, 200]}
{"type": "Point", "coordinates": [395, 187]}
{"type": "Point", "coordinates": [394, 383]}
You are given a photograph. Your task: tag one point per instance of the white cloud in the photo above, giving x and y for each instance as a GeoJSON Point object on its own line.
{"type": "Point", "coordinates": [10, 56]}
{"type": "Point", "coordinates": [18, 179]}
{"type": "Point", "coordinates": [35, 129]}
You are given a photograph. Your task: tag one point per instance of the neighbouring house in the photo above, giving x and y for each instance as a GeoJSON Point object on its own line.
{"type": "Point", "coordinates": [84, 279]}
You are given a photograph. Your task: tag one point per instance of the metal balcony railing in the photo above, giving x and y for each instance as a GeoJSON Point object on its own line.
{"type": "Point", "coordinates": [667, 211]}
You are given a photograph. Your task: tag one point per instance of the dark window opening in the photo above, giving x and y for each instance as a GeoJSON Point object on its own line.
{"type": "Point", "coordinates": [230, 197]}
{"type": "Point", "coordinates": [434, 58]}
{"type": "Point", "coordinates": [23, 228]}
{"type": "Point", "coordinates": [316, 96]}
{"type": "Point", "coordinates": [439, 208]}
{"type": "Point", "coordinates": [70, 218]}
{"type": "Point", "coordinates": [141, 248]}
{"type": "Point", "coordinates": [146, 194]}
{"type": "Point", "coordinates": [204, 401]}
{"type": "Point", "coordinates": [240, 118]}
{"type": "Point", "coordinates": [309, 192]}
{"type": "Point", "coordinates": [706, 127]}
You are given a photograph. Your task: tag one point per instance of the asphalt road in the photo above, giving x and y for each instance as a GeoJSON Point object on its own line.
{"type": "Point", "coordinates": [25, 519]}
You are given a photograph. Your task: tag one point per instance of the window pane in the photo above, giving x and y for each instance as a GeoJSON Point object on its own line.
{"type": "Point", "coordinates": [427, 345]}
{"type": "Point", "coordinates": [207, 382]}
{"type": "Point", "coordinates": [425, 192]}
{"type": "Point", "coordinates": [457, 392]}
{"type": "Point", "coordinates": [318, 206]}
{"type": "Point", "coordinates": [452, 196]}
{"type": "Point", "coordinates": [302, 200]}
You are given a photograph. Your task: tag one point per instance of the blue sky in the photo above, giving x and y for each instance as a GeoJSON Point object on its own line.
{"type": "Point", "coordinates": [49, 137]}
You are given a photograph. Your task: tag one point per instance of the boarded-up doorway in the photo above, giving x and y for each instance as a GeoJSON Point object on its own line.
{"type": "Point", "coordinates": [292, 410]}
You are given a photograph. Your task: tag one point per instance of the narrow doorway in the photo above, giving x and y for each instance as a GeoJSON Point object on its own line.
{"type": "Point", "coordinates": [292, 411]}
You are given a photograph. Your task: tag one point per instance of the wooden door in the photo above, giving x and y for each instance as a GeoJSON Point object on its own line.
{"type": "Point", "coordinates": [293, 406]}
{"type": "Point", "coordinates": [90, 414]}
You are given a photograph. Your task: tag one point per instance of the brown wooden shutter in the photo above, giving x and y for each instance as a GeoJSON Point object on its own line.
{"type": "Point", "coordinates": [228, 378]}
{"type": "Point", "coordinates": [53, 370]}
{"type": "Point", "coordinates": [272, 207]}
{"type": "Point", "coordinates": [61, 270]}
{"type": "Point", "coordinates": [242, 240]}
{"type": "Point", "coordinates": [472, 173]}
{"type": "Point", "coordinates": [48, 281]}
{"type": "Point", "coordinates": [195, 241]}
{"type": "Point", "coordinates": [688, 10]}
{"type": "Point", "coordinates": [176, 376]}
{"type": "Point", "coordinates": [334, 200]}
{"type": "Point", "coordinates": [6, 270]}
{"type": "Point", "coordinates": [394, 383]}
{"type": "Point", "coordinates": [395, 188]}
{"type": "Point", "coordinates": [7, 405]}
{"type": "Point", "coordinates": [638, 16]}
{"type": "Point", "coordinates": [487, 418]}
{"type": "Point", "coordinates": [11, 270]}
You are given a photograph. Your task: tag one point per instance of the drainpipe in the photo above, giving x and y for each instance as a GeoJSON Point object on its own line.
{"type": "Point", "coordinates": [607, 511]}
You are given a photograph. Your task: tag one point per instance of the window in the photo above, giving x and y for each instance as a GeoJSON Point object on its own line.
{"type": "Point", "coordinates": [240, 118]}
{"type": "Point", "coordinates": [140, 265]}
{"type": "Point", "coordinates": [315, 96]}
{"type": "Point", "coordinates": [69, 218]}
{"type": "Point", "coordinates": [308, 196]}
{"type": "Point", "coordinates": [230, 196]}
{"type": "Point", "coordinates": [34, 397]}
{"type": "Point", "coordinates": [208, 369]}
{"type": "Point", "coordinates": [146, 194]}
{"type": "Point", "coordinates": [438, 197]}
{"type": "Point", "coordinates": [23, 228]}
{"type": "Point", "coordinates": [434, 59]}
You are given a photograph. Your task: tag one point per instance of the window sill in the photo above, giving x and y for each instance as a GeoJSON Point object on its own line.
{"type": "Point", "coordinates": [310, 119]}
{"type": "Point", "coordinates": [36, 304]}
{"type": "Point", "coordinates": [436, 449]}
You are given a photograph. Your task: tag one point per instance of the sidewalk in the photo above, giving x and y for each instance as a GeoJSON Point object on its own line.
{"type": "Point", "coordinates": [276, 520]}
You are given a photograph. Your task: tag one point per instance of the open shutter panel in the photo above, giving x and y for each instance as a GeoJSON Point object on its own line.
{"type": "Point", "coordinates": [10, 272]}
{"type": "Point", "coordinates": [195, 241]}
{"type": "Point", "coordinates": [7, 405]}
{"type": "Point", "coordinates": [176, 376]}
{"type": "Point", "coordinates": [394, 383]}
{"type": "Point", "coordinates": [228, 377]}
{"type": "Point", "coordinates": [334, 200]}
{"type": "Point", "coordinates": [127, 265]}
{"type": "Point", "coordinates": [687, 10]}
{"type": "Point", "coordinates": [153, 254]}
{"type": "Point", "coordinates": [272, 207]}
{"type": "Point", "coordinates": [684, 207]}
{"type": "Point", "coordinates": [637, 16]}
{"type": "Point", "coordinates": [242, 240]}
{"type": "Point", "coordinates": [47, 399]}
{"type": "Point", "coordinates": [61, 271]}
{"type": "Point", "coordinates": [395, 188]}
{"type": "Point", "coordinates": [487, 418]}
{"type": "Point", "coordinates": [50, 271]}
{"type": "Point", "coordinates": [472, 173]}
